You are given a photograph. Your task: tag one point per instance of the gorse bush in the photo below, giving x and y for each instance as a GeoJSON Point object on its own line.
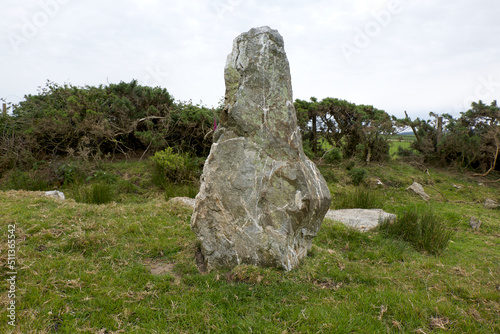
{"type": "Point", "coordinates": [171, 167]}
{"type": "Point", "coordinates": [333, 156]}
{"type": "Point", "coordinates": [357, 175]}
{"type": "Point", "coordinates": [344, 124]}
{"type": "Point", "coordinates": [423, 229]}
{"type": "Point", "coordinates": [470, 141]}
{"type": "Point", "coordinates": [88, 123]}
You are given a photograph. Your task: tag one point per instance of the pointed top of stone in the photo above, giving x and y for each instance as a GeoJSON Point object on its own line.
{"type": "Point", "coordinates": [263, 30]}
{"type": "Point", "coordinates": [258, 99]}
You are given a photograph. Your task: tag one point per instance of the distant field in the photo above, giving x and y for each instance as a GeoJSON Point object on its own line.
{"type": "Point", "coordinates": [400, 140]}
{"type": "Point", "coordinates": [403, 141]}
{"type": "Point", "coordinates": [405, 137]}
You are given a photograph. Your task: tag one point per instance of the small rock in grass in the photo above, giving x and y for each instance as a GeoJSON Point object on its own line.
{"type": "Point", "coordinates": [490, 204]}
{"type": "Point", "coordinates": [55, 194]}
{"type": "Point", "coordinates": [418, 189]}
{"type": "Point", "coordinates": [182, 201]}
{"type": "Point", "coordinates": [474, 223]}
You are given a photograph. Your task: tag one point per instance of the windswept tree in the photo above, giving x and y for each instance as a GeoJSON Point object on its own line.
{"type": "Point", "coordinates": [360, 130]}
{"type": "Point", "coordinates": [471, 141]}
{"type": "Point", "coordinates": [474, 138]}
{"type": "Point", "coordinates": [426, 134]}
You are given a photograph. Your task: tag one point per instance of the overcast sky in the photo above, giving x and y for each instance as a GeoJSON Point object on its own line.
{"type": "Point", "coordinates": [414, 55]}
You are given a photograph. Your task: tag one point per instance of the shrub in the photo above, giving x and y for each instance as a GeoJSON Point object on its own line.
{"type": "Point", "coordinates": [357, 175]}
{"type": "Point", "coordinates": [329, 176]}
{"type": "Point", "coordinates": [350, 165]}
{"type": "Point", "coordinates": [333, 156]}
{"type": "Point", "coordinates": [361, 198]}
{"type": "Point", "coordinates": [69, 173]}
{"type": "Point", "coordinates": [171, 167]}
{"type": "Point", "coordinates": [404, 152]}
{"type": "Point", "coordinates": [421, 228]}
{"type": "Point", "coordinates": [19, 180]}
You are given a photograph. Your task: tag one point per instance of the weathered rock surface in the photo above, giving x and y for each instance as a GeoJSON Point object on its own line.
{"type": "Point", "coordinates": [182, 201]}
{"type": "Point", "coordinates": [474, 223]}
{"type": "Point", "coordinates": [491, 204]}
{"type": "Point", "coordinates": [360, 219]}
{"type": "Point", "coordinates": [419, 190]}
{"type": "Point", "coordinates": [261, 200]}
{"type": "Point", "coordinates": [55, 194]}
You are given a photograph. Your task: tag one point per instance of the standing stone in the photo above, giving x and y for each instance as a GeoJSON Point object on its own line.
{"type": "Point", "coordinates": [261, 200]}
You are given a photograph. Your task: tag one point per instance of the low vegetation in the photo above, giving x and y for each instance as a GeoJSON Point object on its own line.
{"type": "Point", "coordinates": [129, 266]}
{"type": "Point", "coordinates": [359, 198]}
{"type": "Point", "coordinates": [117, 257]}
{"type": "Point", "coordinates": [422, 228]}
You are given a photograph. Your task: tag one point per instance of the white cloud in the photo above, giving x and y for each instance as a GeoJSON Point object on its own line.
{"type": "Point", "coordinates": [427, 56]}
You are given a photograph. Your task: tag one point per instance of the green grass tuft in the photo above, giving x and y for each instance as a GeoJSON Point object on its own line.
{"type": "Point", "coordinates": [420, 227]}
{"type": "Point", "coordinates": [97, 193]}
{"type": "Point", "coordinates": [359, 198]}
{"type": "Point", "coordinates": [181, 190]}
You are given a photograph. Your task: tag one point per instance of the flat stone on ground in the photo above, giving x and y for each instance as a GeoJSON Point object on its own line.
{"type": "Point", "coordinates": [361, 219]}
{"type": "Point", "coordinates": [182, 201]}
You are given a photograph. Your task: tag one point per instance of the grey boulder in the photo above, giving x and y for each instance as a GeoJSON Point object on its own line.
{"type": "Point", "coordinates": [261, 200]}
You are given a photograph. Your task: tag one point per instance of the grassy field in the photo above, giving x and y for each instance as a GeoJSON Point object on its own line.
{"type": "Point", "coordinates": [396, 141]}
{"type": "Point", "coordinates": [129, 267]}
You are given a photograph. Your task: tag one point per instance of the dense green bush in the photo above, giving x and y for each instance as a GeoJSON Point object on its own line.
{"type": "Point", "coordinates": [421, 228]}
{"type": "Point", "coordinates": [334, 155]}
{"type": "Point", "coordinates": [350, 165]}
{"type": "Point", "coordinates": [329, 175]}
{"type": "Point", "coordinates": [471, 141]}
{"type": "Point", "coordinates": [95, 122]}
{"type": "Point", "coordinates": [69, 173]}
{"type": "Point", "coordinates": [405, 152]}
{"type": "Point", "coordinates": [171, 167]}
{"type": "Point", "coordinates": [357, 175]}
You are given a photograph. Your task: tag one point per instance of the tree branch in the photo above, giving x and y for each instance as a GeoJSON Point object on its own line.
{"type": "Point", "coordinates": [493, 165]}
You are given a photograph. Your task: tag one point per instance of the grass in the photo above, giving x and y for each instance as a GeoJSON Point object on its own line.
{"type": "Point", "coordinates": [422, 228]}
{"type": "Point", "coordinates": [97, 193]}
{"type": "Point", "coordinates": [181, 190]}
{"type": "Point", "coordinates": [359, 198]}
{"type": "Point", "coordinates": [129, 267]}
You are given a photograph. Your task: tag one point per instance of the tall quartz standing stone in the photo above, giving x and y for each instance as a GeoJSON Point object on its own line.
{"type": "Point", "coordinates": [261, 199]}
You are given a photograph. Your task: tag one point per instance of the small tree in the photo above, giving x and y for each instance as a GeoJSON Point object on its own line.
{"type": "Point", "coordinates": [357, 129]}
{"type": "Point", "coordinates": [471, 141]}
